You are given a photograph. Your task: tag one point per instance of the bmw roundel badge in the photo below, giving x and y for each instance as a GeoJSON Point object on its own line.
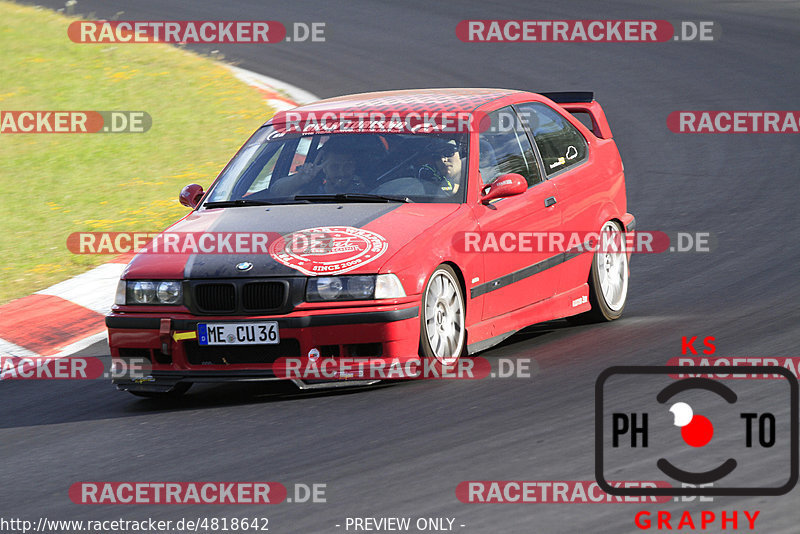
{"type": "Point", "coordinates": [244, 266]}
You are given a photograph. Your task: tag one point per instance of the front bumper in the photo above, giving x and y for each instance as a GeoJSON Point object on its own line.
{"type": "Point", "coordinates": [168, 347]}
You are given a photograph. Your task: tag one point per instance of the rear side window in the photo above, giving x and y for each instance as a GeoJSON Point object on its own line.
{"type": "Point", "coordinates": [561, 144]}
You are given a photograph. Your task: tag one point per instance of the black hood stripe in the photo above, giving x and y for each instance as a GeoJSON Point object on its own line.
{"type": "Point", "coordinates": [281, 219]}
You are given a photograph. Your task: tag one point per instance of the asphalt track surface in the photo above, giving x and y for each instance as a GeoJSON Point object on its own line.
{"type": "Point", "coordinates": [400, 450]}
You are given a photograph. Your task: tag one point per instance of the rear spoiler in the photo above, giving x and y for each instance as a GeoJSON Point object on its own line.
{"type": "Point", "coordinates": [564, 97]}
{"type": "Point", "coordinates": [583, 102]}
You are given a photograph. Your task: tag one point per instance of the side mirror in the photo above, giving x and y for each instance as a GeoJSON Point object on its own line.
{"type": "Point", "coordinates": [505, 185]}
{"type": "Point", "coordinates": [190, 195]}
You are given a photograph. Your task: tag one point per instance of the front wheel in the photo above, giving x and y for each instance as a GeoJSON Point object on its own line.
{"type": "Point", "coordinates": [608, 278]}
{"type": "Point", "coordinates": [442, 332]}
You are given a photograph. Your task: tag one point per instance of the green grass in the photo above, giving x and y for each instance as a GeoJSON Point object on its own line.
{"type": "Point", "coordinates": [54, 184]}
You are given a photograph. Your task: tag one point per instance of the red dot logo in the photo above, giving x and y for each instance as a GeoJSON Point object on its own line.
{"type": "Point", "coordinates": [698, 432]}
{"type": "Point", "coordinates": [696, 429]}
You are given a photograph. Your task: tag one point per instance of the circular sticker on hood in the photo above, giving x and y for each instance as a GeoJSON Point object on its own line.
{"type": "Point", "coordinates": [328, 249]}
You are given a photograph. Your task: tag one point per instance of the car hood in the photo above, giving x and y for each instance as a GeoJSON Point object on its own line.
{"type": "Point", "coordinates": [350, 238]}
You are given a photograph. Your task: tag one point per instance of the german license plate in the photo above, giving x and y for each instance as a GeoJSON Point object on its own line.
{"type": "Point", "coordinates": [262, 333]}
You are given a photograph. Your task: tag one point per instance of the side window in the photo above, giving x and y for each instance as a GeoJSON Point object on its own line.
{"type": "Point", "coordinates": [559, 142]}
{"type": "Point", "coordinates": [286, 161]}
{"type": "Point", "coordinates": [265, 175]}
{"type": "Point", "coordinates": [275, 163]}
{"type": "Point", "coordinates": [505, 148]}
{"type": "Point", "coordinates": [300, 153]}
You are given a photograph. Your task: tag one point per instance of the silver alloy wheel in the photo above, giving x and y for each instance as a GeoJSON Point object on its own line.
{"type": "Point", "coordinates": [612, 267]}
{"type": "Point", "coordinates": [444, 316]}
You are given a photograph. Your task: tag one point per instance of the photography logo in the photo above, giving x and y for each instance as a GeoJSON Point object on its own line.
{"type": "Point", "coordinates": [738, 436]}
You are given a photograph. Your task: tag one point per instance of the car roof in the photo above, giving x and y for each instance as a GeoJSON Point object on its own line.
{"type": "Point", "coordinates": [430, 100]}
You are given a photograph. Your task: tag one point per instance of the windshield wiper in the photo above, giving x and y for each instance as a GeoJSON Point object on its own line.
{"type": "Point", "coordinates": [353, 197]}
{"type": "Point", "coordinates": [235, 203]}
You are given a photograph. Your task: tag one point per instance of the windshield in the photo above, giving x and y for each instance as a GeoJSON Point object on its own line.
{"type": "Point", "coordinates": [280, 168]}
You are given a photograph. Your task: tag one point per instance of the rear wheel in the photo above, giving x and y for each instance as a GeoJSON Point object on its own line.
{"type": "Point", "coordinates": [442, 332]}
{"type": "Point", "coordinates": [608, 278]}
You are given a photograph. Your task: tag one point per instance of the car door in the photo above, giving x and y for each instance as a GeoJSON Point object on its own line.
{"type": "Point", "coordinates": [566, 161]}
{"type": "Point", "coordinates": [516, 273]}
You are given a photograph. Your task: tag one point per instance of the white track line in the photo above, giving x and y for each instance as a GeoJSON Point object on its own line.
{"type": "Point", "coordinates": [9, 349]}
{"type": "Point", "coordinates": [301, 96]}
{"type": "Point", "coordinates": [81, 344]}
{"type": "Point", "coordinates": [93, 289]}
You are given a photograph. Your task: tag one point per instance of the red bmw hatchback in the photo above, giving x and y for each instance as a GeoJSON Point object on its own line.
{"type": "Point", "coordinates": [397, 226]}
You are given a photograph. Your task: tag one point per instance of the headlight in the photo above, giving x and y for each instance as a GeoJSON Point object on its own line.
{"type": "Point", "coordinates": [361, 287]}
{"type": "Point", "coordinates": [142, 292]}
{"type": "Point", "coordinates": [169, 292]}
{"type": "Point", "coordinates": [156, 292]}
{"type": "Point", "coordinates": [369, 287]}
{"type": "Point", "coordinates": [328, 288]}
